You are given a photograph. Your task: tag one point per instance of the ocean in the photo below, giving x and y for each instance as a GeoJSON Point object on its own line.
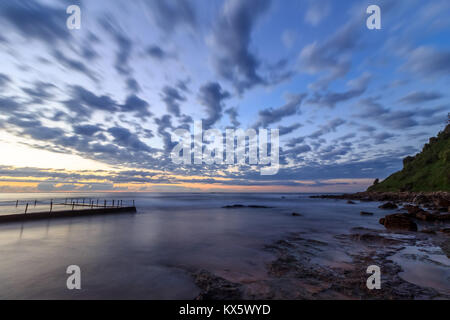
{"type": "Point", "coordinates": [154, 253]}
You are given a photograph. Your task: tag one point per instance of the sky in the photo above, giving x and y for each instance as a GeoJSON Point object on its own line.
{"type": "Point", "coordinates": [93, 109]}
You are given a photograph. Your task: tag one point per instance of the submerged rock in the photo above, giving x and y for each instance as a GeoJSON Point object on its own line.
{"type": "Point", "coordinates": [364, 213]}
{"type": "Point", "coordinates": [240, 206]}
{"type": "Point", "coordinates": [295, 214]}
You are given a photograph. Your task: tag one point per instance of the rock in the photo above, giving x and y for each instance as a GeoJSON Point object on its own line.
{"type": "Point", "coordinates": [239, 206]}
{"type": "Point", "coordinates": [425, 216]}
{"type": "Point", "coordinates": [295, 214]}
{"type": "Point", "coordinates": [388, 205]}
{"type": "Point", "coordinates": [428, 231]}
{"type": "Point", "coordinates": [216, 288]}
{"type": "Point", "coordinates": [363, 213]}
{"type": "Point", "coordinates": [374, 239]}
{"type": "Point", "coordinates": [350, 202]}
{"type": "Point", "coordinates": [421, 199]}
{"type": "Point", "coordinates": [445, 231]}
{"type": "Point", "coordinates": [234, 206]}
{"type": "Point", "coordinates": [412, 209]}
{"type": "Point", "coordinates": [441, 203]}
{"type": "Point", "coordinates": [398, 221]}
{"type": "Point", "coordinates": [443, 217]}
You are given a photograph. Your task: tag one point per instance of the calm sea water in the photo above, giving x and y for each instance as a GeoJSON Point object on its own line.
{"type": "Point", "coordinates": [151, 254]}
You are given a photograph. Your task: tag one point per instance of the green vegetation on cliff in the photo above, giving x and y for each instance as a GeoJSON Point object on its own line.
{"type": "Point", "coordinates": [427, 171]}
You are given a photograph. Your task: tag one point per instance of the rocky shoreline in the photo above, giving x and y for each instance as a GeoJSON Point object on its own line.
{"type": "Point", "coordinates": [433, 200]}
{"type": "Point", "coordinates": [295, 274]}
{"type": "Point", "coordinates": [422, 206]}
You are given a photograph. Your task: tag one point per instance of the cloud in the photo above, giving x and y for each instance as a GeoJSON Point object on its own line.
{"type": "Point", "coordinates": [428, 62]}
{"type": "Point", "coordinates": [233, 114]}
{"type": "Point", "coordinates": [4, 80]}
{"type": "Point", "coordinates": [123, 137]}
{"type": "Point", "coordinates": [172, 98]}
{"type": "Point", "coordinates": [212, 96]}
{"type": "Point", "coordinates": [39, 92]}
{"type": "Point", "coordinates": [35, 20]}
{"type": "Point", "coordinates": [158, 53]}
{"type": "Point", "coordinates": [124, 44]}
{"type": "Point", "coordinates": [331, 57]}
{"type": "Point", "coordinates": [87, 130]}
{"type": "Point", "coordinates": [330, 99]}
{"type": "Point", "coordinates": [269, 116]}
{"type": "Point", "coordinates": [284, 130]}
{"type": "Point", "coordinates": [74, 65]}
{"type": "Point", "coordinates": [231, 39]}
{"type": "Point", "coordinates": [331, 126]}
{"type": "Point", "coordinates": [381, 138]}
{"type": "Point", "coordinates": [83, 97]}
{"type": "Point", "coordinates": [133, 86]}
{"type": "Point", "coordinates": [420, 97]}
{"type": "Point", "coordinates": [136, 105]}
{"type": "Point", "coordinates": [171, 14]}
{"type": "Point", "coordinates": [288, 38]}
{"type": "Point", "coordinates": [164, 123]}
{"type": "Point", "coordinates": [318, 10]}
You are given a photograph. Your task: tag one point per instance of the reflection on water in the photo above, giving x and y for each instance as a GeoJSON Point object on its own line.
{"type": "Point", "coordinates": [151, 254]}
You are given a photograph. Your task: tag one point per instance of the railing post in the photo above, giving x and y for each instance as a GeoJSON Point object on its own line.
{"type": "Point", "coordinates": [73, 205]}
{"type": "Point", "coordinates": [105, 204]}
{"type": "Point", "coordinates": [17, 203]}
{"type": "Point", "coordinates": [133, 204]}
{"type": "Point", "coordinates": [35, 203]}
{"type": "Point", "coordinates": [26, 209]}
{"type": "Point", "coordinates": [51, 205]}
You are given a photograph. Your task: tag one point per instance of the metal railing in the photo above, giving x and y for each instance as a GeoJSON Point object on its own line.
{"type": "Point", "coordinates": [64, 204]}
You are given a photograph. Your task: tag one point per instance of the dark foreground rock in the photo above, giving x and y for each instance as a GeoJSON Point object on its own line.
{"type": "Point", "coordinates": [216, 288]}
{"type": "Point", "coordinates": [398, 221]}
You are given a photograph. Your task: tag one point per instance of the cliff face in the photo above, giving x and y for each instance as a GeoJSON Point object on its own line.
{"type": "Point", "coordinates": [427, 171]}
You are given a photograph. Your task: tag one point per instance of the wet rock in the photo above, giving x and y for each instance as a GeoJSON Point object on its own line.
{"type": "Point", "coordinates": [425, 216]}
{"type": "Point", "coordinates": [350, 202]}
{"type": "Point", "coordinates": [445, 231]}
{"type": "Point", "coordinates": [443, 217]}
{"type": "Point", "coordinates": [427, 231]}
{"type": "Point", "coordinates": [421, 199]}
{"type": "Point", "coordinates": [374, 239]}
{"type": "Point", "coordinates": [441, 203]}
{"type": "Point", "coordinates": [295, 214]}
{"type": "Point", "coordinates": [398, 221]}
{"type": "Point", "coordinates": [216, 288]}
{"type": "Point", "coordinates": [412, 209]}
{"type": "Point", "coordinates": [388, 205]}
{"type": "Point", "coordinates": [364, 213]}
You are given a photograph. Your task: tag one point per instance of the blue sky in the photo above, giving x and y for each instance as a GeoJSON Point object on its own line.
{"type": "Point", "coordinates": [92, 109]}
